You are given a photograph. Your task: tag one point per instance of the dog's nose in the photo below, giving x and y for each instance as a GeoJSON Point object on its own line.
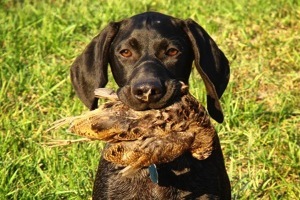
{"type": "Point", "coordinates": [148, 91]}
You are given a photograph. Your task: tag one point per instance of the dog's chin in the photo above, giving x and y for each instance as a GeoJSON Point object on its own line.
{"type": "Point", "coordinates": [173, 93]}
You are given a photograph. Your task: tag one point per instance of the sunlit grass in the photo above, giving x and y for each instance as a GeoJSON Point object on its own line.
{"type": "Point", "coordinates": [260, 135]}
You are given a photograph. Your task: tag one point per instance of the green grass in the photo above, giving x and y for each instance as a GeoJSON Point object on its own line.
{"type": "Point", "coordinates": [260, 136]}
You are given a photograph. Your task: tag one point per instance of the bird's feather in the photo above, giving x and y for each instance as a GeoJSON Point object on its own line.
{"type": "Point", "coordinates": [141, 138]}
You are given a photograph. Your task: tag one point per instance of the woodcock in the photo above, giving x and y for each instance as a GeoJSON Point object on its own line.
{"type": "Point", "coordinates": [139, 139]}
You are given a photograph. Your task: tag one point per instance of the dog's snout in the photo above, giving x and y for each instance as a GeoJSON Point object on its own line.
{"type": "Point", "coordinates": [148, 91]}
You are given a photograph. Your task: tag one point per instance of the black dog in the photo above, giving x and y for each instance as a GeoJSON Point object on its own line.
{"type": "Point", "coordinates": [148, 54]}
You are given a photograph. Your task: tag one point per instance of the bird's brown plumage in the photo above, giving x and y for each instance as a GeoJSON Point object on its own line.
{"type": "Point", "coordinates": [140, 138]}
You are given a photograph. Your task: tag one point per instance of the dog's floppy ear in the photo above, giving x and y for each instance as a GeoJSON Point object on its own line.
{"type": "Point", "coordinates": [89, 70]}
{"type": "Point", "coordinates": [212, 65]}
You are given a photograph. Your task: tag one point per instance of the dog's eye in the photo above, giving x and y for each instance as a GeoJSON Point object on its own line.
{"type": "Point", "coordinates": [126, 53]}
{"type": "Point", "coordinates": [172, 52]}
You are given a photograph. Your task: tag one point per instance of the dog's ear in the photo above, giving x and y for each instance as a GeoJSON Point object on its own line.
{"type": "Point", "coordinates": [212, 65]}
{"type": "Point", "coordinates": [89, 70]}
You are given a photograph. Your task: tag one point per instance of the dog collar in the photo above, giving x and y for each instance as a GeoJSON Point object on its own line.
{"type": "Point", "coordinates": [153, 173]}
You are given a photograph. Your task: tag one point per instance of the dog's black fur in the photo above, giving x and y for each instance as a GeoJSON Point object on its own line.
{"type": "Point", "coordinates": [148, 54]}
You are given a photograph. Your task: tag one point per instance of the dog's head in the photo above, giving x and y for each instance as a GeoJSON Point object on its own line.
{"type": "Point", "coordinates": [149, 55]}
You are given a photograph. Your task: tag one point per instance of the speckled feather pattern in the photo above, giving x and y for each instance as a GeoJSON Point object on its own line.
{"type": "Point", "coordinates": [141, 138]}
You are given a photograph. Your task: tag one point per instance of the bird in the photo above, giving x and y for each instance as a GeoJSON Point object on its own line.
{"type": "Point", "coordinates": [138, 139]}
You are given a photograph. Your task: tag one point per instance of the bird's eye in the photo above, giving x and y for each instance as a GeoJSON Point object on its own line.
{"type": "Point", "coordinates": [126, 53]}
{"type": "Point", "coordinates": [172, 52]}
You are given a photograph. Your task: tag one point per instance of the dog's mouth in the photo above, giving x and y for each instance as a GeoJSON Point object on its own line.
{"type": "Point", "coordinates": [152, 99]}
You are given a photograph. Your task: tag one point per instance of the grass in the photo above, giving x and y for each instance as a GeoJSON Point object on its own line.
{"type": "Point", "coordinates": [260, 136]}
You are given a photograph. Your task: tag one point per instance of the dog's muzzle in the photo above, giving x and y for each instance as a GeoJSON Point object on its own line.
{"type": "Point", "coordinates": [151, 94]}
